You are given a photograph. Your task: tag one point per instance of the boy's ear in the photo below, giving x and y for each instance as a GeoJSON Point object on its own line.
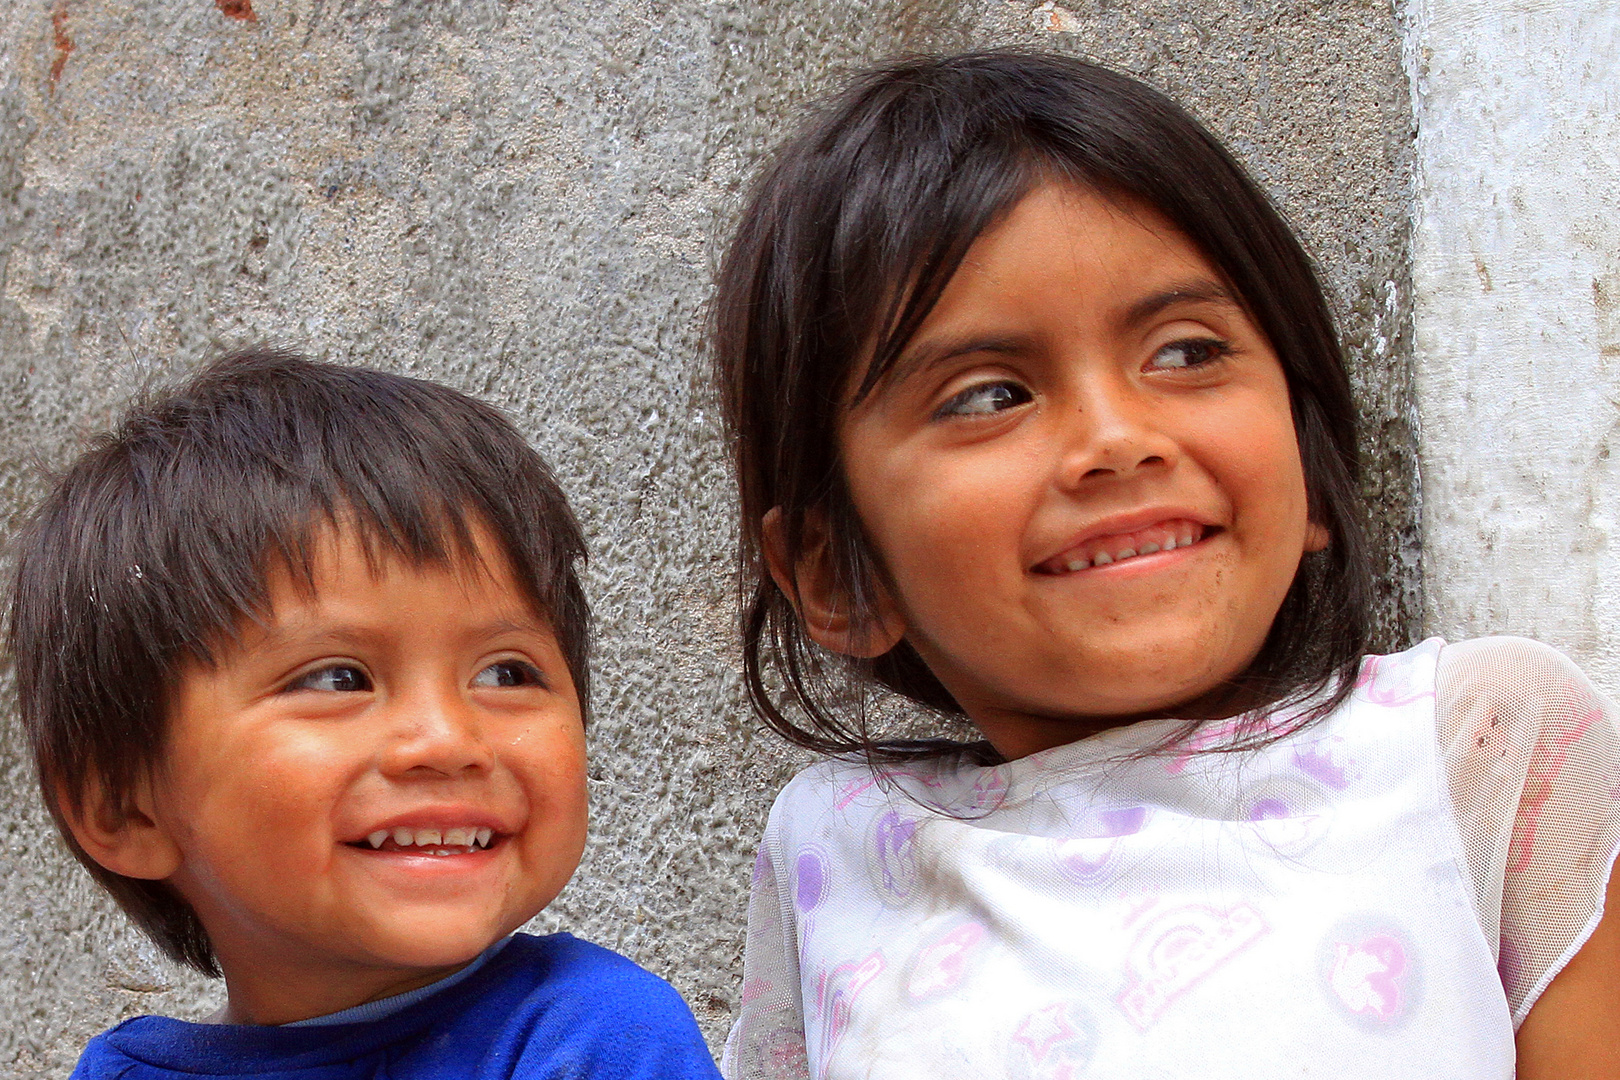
{"type": "Point", "coordinates": [124, 839]}
{"type": "Point", "coordinates": [810, 586]}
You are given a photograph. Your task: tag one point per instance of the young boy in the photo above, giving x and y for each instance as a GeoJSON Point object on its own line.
{"type": "Point", "coordinates": [301, 656]}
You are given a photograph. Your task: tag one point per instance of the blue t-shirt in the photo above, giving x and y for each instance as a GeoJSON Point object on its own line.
{"type": "Point", "coordinates": [542, 1007]}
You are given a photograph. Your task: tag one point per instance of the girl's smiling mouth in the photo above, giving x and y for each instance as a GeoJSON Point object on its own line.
{"type": "Point", "coordinates": [1098, 551]}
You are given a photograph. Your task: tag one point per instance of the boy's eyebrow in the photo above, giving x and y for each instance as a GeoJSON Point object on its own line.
{"type": "Point", "coordinates": [302, 632]}
{"type": "Point", "coordinates": [521, 626]}
{"type": "Point", "coordinates": [1199, 290]}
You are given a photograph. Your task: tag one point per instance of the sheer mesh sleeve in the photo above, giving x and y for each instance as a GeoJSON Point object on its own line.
{"type": "Point", "coordinates": [767, 1041]}
{"type": "Point", "coordinates": [1532, 757]}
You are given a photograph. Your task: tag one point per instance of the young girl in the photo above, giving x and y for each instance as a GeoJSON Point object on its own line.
{"type": "Point", "coordinates": [1040, 421]}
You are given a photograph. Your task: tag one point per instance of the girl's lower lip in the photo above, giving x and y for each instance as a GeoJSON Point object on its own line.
{"type": "Point", "coordinates": [1146, 558]}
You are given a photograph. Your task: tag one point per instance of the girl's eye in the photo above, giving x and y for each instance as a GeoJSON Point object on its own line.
{"type": "Point", "coordinates": [1192, 352]}
{"type": "Point", "coordinates": [509, 673]}
{"type": "Point", "coordinates": [986, 399]}
{"type": "Point", "coordinates": [338, 677]}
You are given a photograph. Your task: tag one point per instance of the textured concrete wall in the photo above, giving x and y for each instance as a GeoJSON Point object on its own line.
{"type": "Point", "coordinates": [1517, 258]}
{"type": "Point", "coordinates": [523, 200]}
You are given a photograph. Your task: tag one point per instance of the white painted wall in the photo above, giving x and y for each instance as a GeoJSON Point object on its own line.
{"type": "Point", "coordinates": [1516, 272]}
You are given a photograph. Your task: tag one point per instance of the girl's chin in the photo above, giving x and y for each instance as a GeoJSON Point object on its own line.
{"type": "Point", "coordinates": [1116, 699]}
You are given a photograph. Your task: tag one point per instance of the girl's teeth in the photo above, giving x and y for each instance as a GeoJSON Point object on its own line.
{"type": "Point", "coordinates": [484, 837]}
{"type": "Point", "coordinates": [404, 837]}
{"type": "Point", "coordinates": [377, 838]}
{"type": "Point", "coordinates": [1167, 542]}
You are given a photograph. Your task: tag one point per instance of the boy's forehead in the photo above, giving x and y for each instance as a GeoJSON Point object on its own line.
{"type": "Point", "coordinates": [342, 559]}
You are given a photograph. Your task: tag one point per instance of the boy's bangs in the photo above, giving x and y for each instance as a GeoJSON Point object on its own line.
{"type": "Point", "coordinates": [420, 530]}
{"type": "Point", "coordinates": [274, 507]}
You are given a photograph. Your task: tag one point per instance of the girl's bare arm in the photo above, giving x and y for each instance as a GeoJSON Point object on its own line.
{"type": "Point", "coordinates": [1573, 1031]}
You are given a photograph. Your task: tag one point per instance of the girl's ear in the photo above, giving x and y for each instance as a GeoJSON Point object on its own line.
{"type": "Point", "coordinates": [128, 839]}
{"type": "Point", "coordinates": [811, 587]}
{"type": "Point", "coordinates": [1316, 537]}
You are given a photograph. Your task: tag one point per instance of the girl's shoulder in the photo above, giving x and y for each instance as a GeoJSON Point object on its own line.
{"type": "Point", "coordinates": [842, 782]}
{"type": "Point", "coordinates": [1513, 667]}
{"type": "Point", "coordinates": [845, 792]}
{"type": "Point", "coordinates": [1510, 696]}
{"type": "Point", "coordinates": [1517, 678]}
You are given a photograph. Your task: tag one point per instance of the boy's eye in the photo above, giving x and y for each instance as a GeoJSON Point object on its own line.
{"type": "Point", "coordinates": [340, 677]}
{"type": "Point", "coordinates": [986, 399]}
{"type": "Point", "coordinates": [509, 673]}
{"type": "Point", "coordinates": [1191, 352]}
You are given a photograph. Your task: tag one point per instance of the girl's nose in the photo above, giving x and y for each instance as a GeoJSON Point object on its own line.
{"type": "Point", "coordinates": [1112, 433]}
{"type": "Point", "coordinates": [436, 735]}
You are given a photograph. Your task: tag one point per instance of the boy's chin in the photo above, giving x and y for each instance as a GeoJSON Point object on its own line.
{"type": "Point", "coordinates": [429, 947]}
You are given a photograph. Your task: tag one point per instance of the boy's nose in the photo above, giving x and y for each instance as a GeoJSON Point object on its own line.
{"type": "Point", "coordinates": [436, 735]}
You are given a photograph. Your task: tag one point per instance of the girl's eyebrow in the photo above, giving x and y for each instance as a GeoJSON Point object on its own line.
{"type": "Point", "coordinates": [1200, 290]}
{"type": "Point", "coordinates": [938, 351]}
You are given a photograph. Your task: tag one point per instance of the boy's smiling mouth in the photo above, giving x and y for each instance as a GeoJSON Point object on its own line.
{"type": "Point", "coordinates": [441, 831]}
{"type": "Point", "coordinates": [1106, 550]}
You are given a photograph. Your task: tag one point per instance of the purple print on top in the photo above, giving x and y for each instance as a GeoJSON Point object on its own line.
{"type": "Point", "coordinates": [1123, 821]}
{"type": "Point", "coordinates": [894, 861]}
{"type": "Point", "coordinates": [1268, 810]}
{"type": "Point", "coordinates": [1327, 762]}
{"type": "Point", "coordinates": [809, 879]}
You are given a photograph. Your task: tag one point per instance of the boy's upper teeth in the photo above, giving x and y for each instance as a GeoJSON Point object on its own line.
{"type": "Point", "coordinates": [461, 836]}
{"type": "Point", "coordinates": [1106, 550]}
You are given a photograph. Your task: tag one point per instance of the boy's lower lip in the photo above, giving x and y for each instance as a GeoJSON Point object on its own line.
{"type": "Point", "coordinates": [429, 853]}
{"type": "Point", "coordinates": [391, 850]}
{"type": "Point", "coordinates": [425, 867]}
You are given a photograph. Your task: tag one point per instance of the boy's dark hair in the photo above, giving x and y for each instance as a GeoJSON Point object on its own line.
{"type": "Point", "coordinates": [849, 238]}
{"type": "Point", "coordinates": [157, 543]}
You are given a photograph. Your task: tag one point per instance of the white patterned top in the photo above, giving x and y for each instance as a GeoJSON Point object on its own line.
{"type": "Point", "coordinates": [1383, 893]}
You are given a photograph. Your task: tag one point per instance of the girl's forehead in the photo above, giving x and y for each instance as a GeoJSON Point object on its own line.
{"type": "Point", "coordinates": [1103, 257]}
{"type": "Point", "coordinates": [1060, 226]}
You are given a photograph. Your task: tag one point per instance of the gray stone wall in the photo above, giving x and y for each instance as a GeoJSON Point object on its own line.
{"type": "Point", "coordinates": [525, 200]}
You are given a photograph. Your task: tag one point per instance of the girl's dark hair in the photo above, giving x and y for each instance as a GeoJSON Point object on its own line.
{"type": "Point", "coordinates": [158, 543]}
{"type": "Point", "coordinates": [850, 236]}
